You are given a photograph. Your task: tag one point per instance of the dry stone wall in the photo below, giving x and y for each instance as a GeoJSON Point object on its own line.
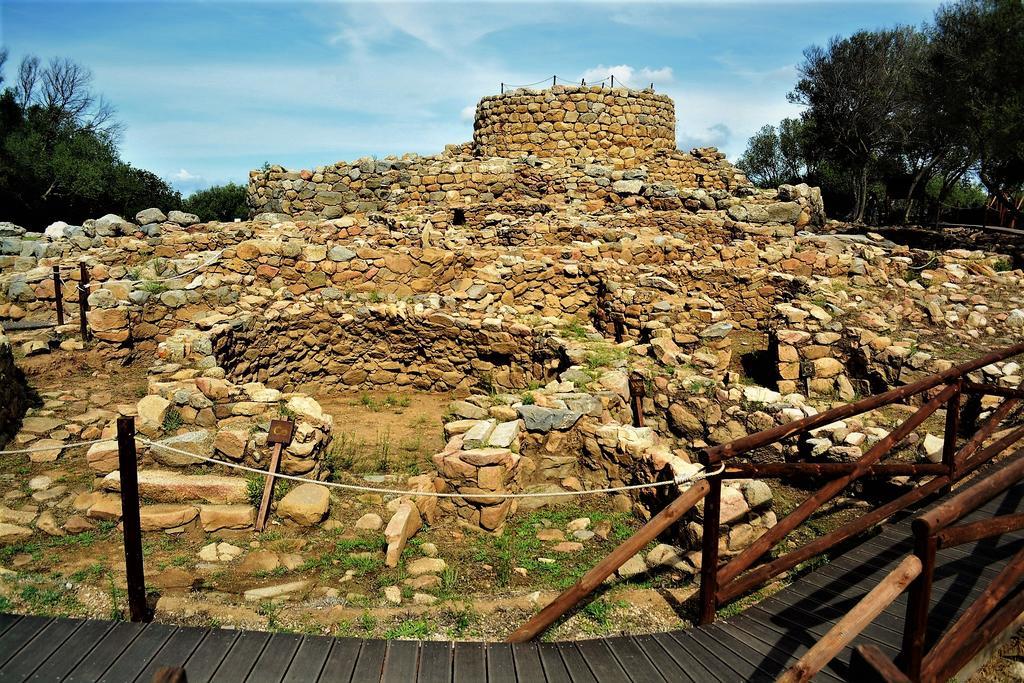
{"type": "Point", "coordinates": [383, 347]}
{"type": "Point", "coordinates": [573, 121]}
{"type": "Point", "coordinates": [13, 393]}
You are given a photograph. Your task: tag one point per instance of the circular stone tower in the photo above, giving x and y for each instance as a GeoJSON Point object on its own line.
{"type": "Point", "coordinates": [574, 122]}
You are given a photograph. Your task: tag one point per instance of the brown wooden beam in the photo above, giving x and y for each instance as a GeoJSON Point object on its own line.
{"type": "Point", "coordinates": [712, 531]}
{"type": "Point", "coordinates": [853, 622]}
{"type": "Point", "coordinates": [985, 431]}
{"type": "Point", "coordinates": [870, 665]}
{"type": "Point", "coordinates": [976, 639]}
{"type": "Point", "coordinates": [954, 638]}
{"type": "Point", "coordinates": [975, 531]}
{"type": "Point", "coordinates": [787, 524]}
{"type": "Point", "coordinates": [915, 624]}
{"type": "Point", "coordinates": [759, 575]}
{"type": "Point", "coordinates": [745, 470]}
{"type": "Point", "coordinates": [989, 452]}
{"type": "Point", "coordinates": [993, 390]}
{"type": "Point", "coordinates": [770, 436]}
{"type": "Point", "coordinates": [603, 569]}
{"type": "Point", "coordinates": [971, 498]}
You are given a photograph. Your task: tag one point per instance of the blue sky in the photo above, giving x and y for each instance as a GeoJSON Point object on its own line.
{"type": "Point", "coordinates": [209, 90]}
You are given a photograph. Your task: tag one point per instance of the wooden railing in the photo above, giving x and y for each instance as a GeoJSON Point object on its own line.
{"type": "Point", "coordinates": [721, 583]}
{"type": "Point", "coordinates": [989, 615]}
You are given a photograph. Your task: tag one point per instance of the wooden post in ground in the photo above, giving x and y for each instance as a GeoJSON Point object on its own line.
{"type": "Point", "coordinates": [709, 546]}
{"type": "Point", "coordinates": [128, 466]}
{"type": "Point", "coordinates": [915, 626]}
{"type": "Point", "coordinates": [952, 430]}
{"type": "Point", "coordinates": [57, 295]}
{"type": "Point", "coordinates": [280, 435]}
{"type": "Point", "coordinates": [637, 390]}
{"type": "Point", "coordinates": [83, 300]}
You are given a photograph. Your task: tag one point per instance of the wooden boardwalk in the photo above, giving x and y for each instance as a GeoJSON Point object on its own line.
{"type": "Point", "coordinates": [756, 645]}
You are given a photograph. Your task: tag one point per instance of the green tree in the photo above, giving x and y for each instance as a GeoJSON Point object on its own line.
{"type": "Point", "coordinates": [774, 156]}
{"type": "Point", "coordinates": [218, 203]}
{"type": "Point", "coordinates": [977, 67]}
{"type": "Point", "coordinates": [58, 151]}
{"type": "Point", "coordinates": [858, 98]}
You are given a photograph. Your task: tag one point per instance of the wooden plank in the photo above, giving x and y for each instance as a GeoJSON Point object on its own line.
{"type": "Point", "coordinates": [401, 660]}
{"type": "Point", "coordinates": [7, 621]}
{"type": "Point", "coordinates": [469, 663]}
{"type": "Point", "coordinates": [19, 635]}
{"type": "Point", "coordinates": [175, 652]}
{"type": "Point", "coordinates": [669, 668]}
{"type": "Point", "coordinates": [370, 664]}
{"type": "Point", "coordinates": [204, 660]}
{"type": "Point", "coordinates": [341, 660]}
{"type": "Point", "coordinates": [577, 667]}
{"type": "Point", "coordinates": [527, 659]}
{"type": "Point", "coordinates": [735, 655]}
{"type": "Point", "coordinates": [37, 650]}
{"type": "Point", "coordinates": [555, 670]}
{"type": "Point", "coordinates": [239, 660]}
{"type": "Point", "coordinates": [276, 658]}
{"type": "Point", "coordinates": [435, 662]}
{"type": "Point", "coordinates": [782, 647]}
{"type": "Point", "coordinates": [137, 655]}
{"type": "Point", "coordinates": [693, 659]}
{"type": "Point", "coordinates": [116, 641]}
{"type": "Point", "coordinates": [632, 658]}
{"type": "Point", "coordinates": [601, 661]}
{"type": "Point", "coordinates": [73, 650]}
{"type": "Point", "coordinates": [501, 667]}
{"type": "Point", "coordinates": [309, 660]}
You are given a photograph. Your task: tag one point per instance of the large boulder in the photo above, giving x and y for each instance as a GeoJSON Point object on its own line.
{"type": "Point", "coordinates": [182, 218]}
{"type": "Point", "coordinates": [147, 216]}
{"type": "Point", "coordinates": [152, 410]}
{"type": "Point", "coordinates": [306, 504]}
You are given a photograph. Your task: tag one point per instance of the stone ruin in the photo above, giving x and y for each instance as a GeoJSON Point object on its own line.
{"type": "Point", "coordinates": [527, 274]}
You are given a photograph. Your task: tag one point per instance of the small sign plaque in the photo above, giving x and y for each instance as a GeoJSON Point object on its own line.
{"type": "Point", "coordinates": [280, 431]}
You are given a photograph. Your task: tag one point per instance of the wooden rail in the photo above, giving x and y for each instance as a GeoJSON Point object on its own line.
{"type": "Point", "coordinates": [720, 583]}
{"type": "Point", "coordinates": [847, 628]}
{"type": "Point", "coordinates": [593, 578]}
{"type": "Point", "coordinates": [998, 605]}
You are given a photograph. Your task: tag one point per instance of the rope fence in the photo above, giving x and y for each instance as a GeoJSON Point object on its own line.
{"type": "Point", "coordinates": [676, 481]}
{"type": "Point", "coordinates": [59, 447]}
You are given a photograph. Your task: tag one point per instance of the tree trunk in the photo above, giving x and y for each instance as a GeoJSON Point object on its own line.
{"type": "Point", "coordinates": [1000, 196]}
{"type": "Point", "coordinates": [861, 186]}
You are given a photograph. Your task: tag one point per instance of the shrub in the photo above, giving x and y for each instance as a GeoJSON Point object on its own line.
{"type": "Point", "coordinates": [218, 203]}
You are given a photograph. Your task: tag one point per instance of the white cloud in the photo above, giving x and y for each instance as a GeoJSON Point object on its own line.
{"type": "Point", "coordinates": [628, 75]}
{"type": "Point", "coordinates": [185, 176]}
{"type": "Point", "coordinates": [468, 112]}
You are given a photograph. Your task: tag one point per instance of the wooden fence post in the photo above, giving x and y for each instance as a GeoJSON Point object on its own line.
{"type": "Point", "coordinates": [915, 626]}
{"type": "Point", "coordinates": [952, 430]}
{"type": "Point", "coordinates": [57, 298]}
{"type": "Point", "coordinates": [128, 466]}
{"type": "Point", "coordinates": [709, 547]}
{"type": "Point", "coordinates": [637, 391]}
{"type": "Point", "coordinates": [83, 300]}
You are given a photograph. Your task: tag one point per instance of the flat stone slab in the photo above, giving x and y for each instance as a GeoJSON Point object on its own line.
{"type": "Point", "coordinates": [170, 487]}
{"type": "Point", "coordinates": [280, 590]}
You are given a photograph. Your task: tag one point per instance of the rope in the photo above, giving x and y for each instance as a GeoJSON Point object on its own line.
{"type": "Point", "coordinates": [61, 447]}
{"type": "Point", "coordinates": [527, 85]}
{"type": "Point", "coordinates": [433, 494]}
